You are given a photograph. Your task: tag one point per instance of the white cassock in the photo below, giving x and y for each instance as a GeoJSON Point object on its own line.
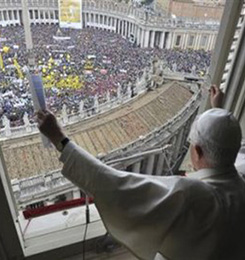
{"type": "Point", "coordinates": [201, 217]}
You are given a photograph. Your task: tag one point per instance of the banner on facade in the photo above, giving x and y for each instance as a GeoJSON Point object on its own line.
{"type": "Point", "coordinates": [70, 14]}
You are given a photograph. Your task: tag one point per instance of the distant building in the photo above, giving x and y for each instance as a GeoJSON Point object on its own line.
{"type": "Point", "coordinates": [203, 9]}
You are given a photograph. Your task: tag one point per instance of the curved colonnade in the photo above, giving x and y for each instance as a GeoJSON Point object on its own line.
{"type": "Point", "coordinates": [147, 30]}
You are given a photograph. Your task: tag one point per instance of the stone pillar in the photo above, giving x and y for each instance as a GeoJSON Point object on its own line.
{"type": "Point", "coordinates": [65, 118]}
{"type": "Point", "coordinates": [49, 17]}
{"type": "Point", "coordinates": [209, 42]}
{"type": "Point", "coordinates": [162, 39]}
{"type": "Point", "coordinates": [134, 30]}
{"type": "Point", "coordinates": [130, 29]}
{"type": "Point", "coordinates": [212, 44]}
{"type": "Point", "coordinates": [169, 41]}
{"type": "Point", "coordinates": [160, 164]}
{"type": "Point", "coordinates": [138, 36]}
{"type": "Point", "coordinates": [142, 37]}
{"type": "Point", "coordinates": [123, 27]}
{"type": "Point", "coordinates": [136, 167]}
{"type": "Point", "coordinates": [182, 42]}
{"type": "Point", "coordinates": [103, 22]}
{"type": "Point", "coordinates": [150, 164]}
{"type": "Point", "coordinates": [12, 14]}
{"type": "Point", "coordinates": [110, 23]}
{"type": "Point", "coordinates": [186, 40]}
{"type": "Point", "coordinates": [214, 41]}
{"type": "Point", "coordinates": [39, 16]}
{"type": "Point", "coordinates": [27, 28]}
{"type": "Point", "coordinates": [6, 124]}
{"type": "Point", "coordinates": [195, 42]}
{"type": "Point", "coordinates": [153, 33]}
{"type": "Point", "coordinates": [7, 16]}
{"type": "Point", "coordinates": [146, 39]}
{"type": "Point", "coordinates": [85, 20]}
{"type": "Point", "coordinates": [119, 27]}
{"type": "Point", "coordinates": [115, 24]}
{"type": "Point", "coordinates": [90, 19]}
{"type": "Point", "coordinates": [53, 15]}
{"type": "Point", "coordinates": [76, 194]}
{"type": "Point", "coordinates": [126, 30]}
{"type": "Point", "coordinates": [199, 41]}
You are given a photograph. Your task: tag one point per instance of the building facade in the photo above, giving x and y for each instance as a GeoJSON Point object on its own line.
{"type": "Point", "coordinates": [147, 30]}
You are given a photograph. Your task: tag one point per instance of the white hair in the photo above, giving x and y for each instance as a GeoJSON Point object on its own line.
{"type": "Point", "coordinates": [216, 153]}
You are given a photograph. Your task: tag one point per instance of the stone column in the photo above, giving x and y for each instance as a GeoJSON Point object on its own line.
{"type": "Point", "coordinates": [103, 22]}
{"type": "Point", "coordinates": [49, 16]}
{"type": "Point", "coordinates": [169, 41]}
{"type": "Point", "coordinates": [7, 16]}
{"type": "Point", "coordinates": [39, 16]}
{"type": "Point", "coordinates": [134, 30]}
{"type": "Point", "coordinates": [153, 33]}
{"type": "Point", "coordinates": [182, 42]}
{"type": "Point", "coordinates": [162, 39]}
{"type": "Point", "coordinates": [199, 41]}
{"type": "Point", "coordinates": [76, 194]}
{"type": "Point", "coordinates": [186, 40]}
{"type": "Point", "coordinates": [123, 27]}
{"type": "Point", "coordinates": [120, 27]}
{"type": "Point", "coordinates": [160, 164]}
{"type": "Point", "coordinates": [212, 44]}
{"type": "Point", "coordinates": [117, 25]}
{"type": "Point", "coordinates": [126, 30]}
{"type": "Point", "coordinates": [150, 164]}
{"type": "Point", "coordinates": [214, 40]}
{"type": "Point", "coordinates": [209, 42]}
{"type": "Point", "coordinates": [85, 20]}
{"type": "Point", "coordinates": [138, 36]}
{"type": "Point", "coordinates": [89, 19]}
{"type": "Point", "coordinates": [26, 22]}
{"type": "Point", "coordinates": [136, 167]}
{"type": "Point", "coordinates": [130, 29]}
{"type": "Point", "coordinates": [195, 42]}
{"type": "Point", "coordinates": [111, 24]}
{"type": "Point", "coordinates": [18, 16]}
{"type": "Point", "coordinates": [142, 37]}
{"type": "Point", "coordinates": [146, 39]}
{"type": "Point", "coordinates": [13, 17]}
{"type": "Point", "coordinates": [53, 15]}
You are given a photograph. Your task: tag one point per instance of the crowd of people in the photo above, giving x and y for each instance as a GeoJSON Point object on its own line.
{"type": "Point", "coordinates": [77, 65]}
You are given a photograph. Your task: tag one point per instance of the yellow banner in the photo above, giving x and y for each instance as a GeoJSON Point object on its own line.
{"type": "Point", "coordinates": [1, 62]}
{"type": "Point", "coordinates": [70, 12]}
{"type": "Point", "coordinates": [17, 66]}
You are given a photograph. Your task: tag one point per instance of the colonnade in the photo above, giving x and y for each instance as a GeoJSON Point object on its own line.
{"type": "Point", "coordinates": [130, 23]}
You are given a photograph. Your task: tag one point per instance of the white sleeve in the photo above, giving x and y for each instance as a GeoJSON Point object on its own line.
{"type": "Point", "coordinates": [135, 208]}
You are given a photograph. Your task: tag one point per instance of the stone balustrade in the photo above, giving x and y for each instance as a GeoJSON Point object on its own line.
{"type": "Point", "coordinates": [47, 187]}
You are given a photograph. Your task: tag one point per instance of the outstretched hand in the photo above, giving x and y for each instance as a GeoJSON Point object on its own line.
{"type": "Point", "coordinates": [216, 96]}
{"type": "Point", "coordinates": [49, 126]}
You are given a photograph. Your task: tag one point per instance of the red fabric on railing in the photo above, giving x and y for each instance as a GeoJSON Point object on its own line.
{"type": "Point", "coordinates": [31, 213]}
